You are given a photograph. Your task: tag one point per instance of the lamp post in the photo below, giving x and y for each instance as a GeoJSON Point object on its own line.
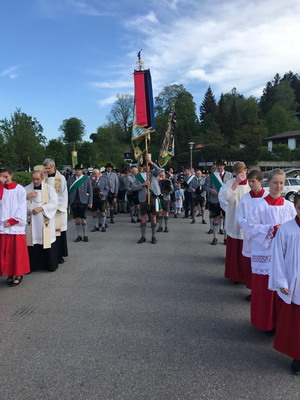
{"type": "Point", "coordinates": [191, 144]}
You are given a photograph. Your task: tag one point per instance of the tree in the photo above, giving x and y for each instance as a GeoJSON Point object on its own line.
{"type": "Point", "coordinates": [23, 140]}
{"type": "Point", "coordinates": [280, 120]}
{"type": "Point", "coordinates": [208, 105]}
{"type": "Point", "coordinates": [87, 154]}
{"type": "Point", "coordinates": [73, 130]}
{"type": "Point", "coordinates": [122, 113]}
{"type": "Point", "coordinates": [57, 150]}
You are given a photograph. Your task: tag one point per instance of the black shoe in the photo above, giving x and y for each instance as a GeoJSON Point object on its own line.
{"type": "Point", "coordinates": [103, 229]}
{"type": "Point", "coordinates": [248, 298]}
{"type": "Point", "coordinates": [78, 239]}
{"type": "Point", "coordinates": [193, 222]}
{"type": "Point", "coordinates": [221, 232]}
{"type": "Point", "coordinates": [133, 220]}
{"type": "Point", "coordinates": [112, 221]}
{"type": "Point", "coordinates": [138, 220]}
{"type": "Point", "coordinates": [295, 367]}
{"type": "Point", "coordinates": [185, 217]}
{"type": "Point", "coordinates": [175, 216]}
{"type": "Point", "coordinates": [142, 240]}
{"type": "Point", "coordinates": [95, 229]}
{"type": "Point", "coordinates": [85, 239]}
{"type": "Point", "coordinates": [215, 241]}
{"type": "Point", "coordinates": [9, 280]}
{"type": "Point", "coordinates": [270, 333]}
{"type": "Point", "coordinates": [106, 226]}
{"type": "Point", "coordinates": [204, 222]}
{"type": "Point", "coordinates": [153, 240]}
{"type": "Point", "coordinates": [166, 229]}
{"type": "Point", "coordinates": [17, 280]}
{"type": "Point", "coordinates": [61, 260]}
{"type": "Point", "coordinates": [225, 241]}
{"type": "Point", "coordinates": [210, 232]}
{"type": "Point", "coordinates": [198, 215]}
{"type": "Point", "coordinates": [160, 229]}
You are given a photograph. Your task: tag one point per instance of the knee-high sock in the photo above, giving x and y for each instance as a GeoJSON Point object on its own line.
{"type": "Point", "coordinates": [153, 228]}
{"type": "Point", "coordinates": [160, 220]}
{"type": "Point", "coordinates": [215, 229]}
{"type": "Point", "coordinates": [96, 221]}
{"type": "Point", "coordinates": [78, 228]}
{"type": "Point", "coordinates": [211, 223]}
{"type": "Point", "coordinates": [143, 229]}
{"type": "Point", "coordinates": [84, 228]}
{"type": "Point", "coordinates": [193, 214]}
{"type": "Point", "coordinates": [166, 219]}
{"type": "Point", "coordinates": [103, 221]}
{"type": "Point", "coordinates": [138, 213]}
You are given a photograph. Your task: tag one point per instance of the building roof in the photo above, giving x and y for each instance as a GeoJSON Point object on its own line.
{"type": "Point", "coordinates": [285, 135]}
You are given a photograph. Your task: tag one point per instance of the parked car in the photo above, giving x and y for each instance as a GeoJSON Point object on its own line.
{"type": "Point", "coordinates": [292, 186]}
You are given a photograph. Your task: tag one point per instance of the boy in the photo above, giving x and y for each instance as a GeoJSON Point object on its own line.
{"type": "Point", "coordinates": [285, 278]}
{"type": "Point", "coordinates": [264, 218]}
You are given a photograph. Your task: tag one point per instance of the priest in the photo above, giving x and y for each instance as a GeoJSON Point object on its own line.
{"type": "Point", "coordinates": [42, 203]}
{"type": "Point", "coordinates": [55, 179]}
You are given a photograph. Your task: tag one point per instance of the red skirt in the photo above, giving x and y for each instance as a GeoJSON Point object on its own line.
{"type": "Point", "coordinates": [14, 260]}
{"type": "Point", "coordinates": [287, 337]}
{"type": "Point", "coordinates": [235, 262]}
{"type": "Point", "coordinates": [264, 303]}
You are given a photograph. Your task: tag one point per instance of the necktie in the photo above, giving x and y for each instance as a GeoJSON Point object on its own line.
{"type": "Point", "coordinates": [221, 176]}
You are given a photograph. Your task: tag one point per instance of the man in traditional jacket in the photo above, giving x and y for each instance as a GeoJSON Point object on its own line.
{"type": "Point", "coordinates": [132, 197]}
{"type": "Point", "coordinates": [80, 198]}
{"type": "Point", "coordinates": [141, 184]}
{"type": "Point", "coordinates": [113, 182]}
{"type": "Point", "coordinates": [198, 195]}
{"type": "Point", "coordinates": [55, 179]}
{"type": "Point", "coordinates": [100, 191]}
{"type": "Point", "coordinates": [42, 203]}
{"type": "Point", "coordinates": [212, 186]}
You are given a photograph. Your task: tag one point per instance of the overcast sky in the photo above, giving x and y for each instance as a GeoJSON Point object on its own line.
{"type": "Point", "coordinates": [69, 58]}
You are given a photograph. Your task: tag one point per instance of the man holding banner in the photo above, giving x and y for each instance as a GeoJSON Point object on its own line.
{"type": "Point", "coordinates": [80, 197]}
{"type": "Point", "coordinates": [141, 184]}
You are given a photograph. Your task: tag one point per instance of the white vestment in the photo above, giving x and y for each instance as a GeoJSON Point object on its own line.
{"type": "Point", "coordinates": [13, 205]}
{"type": "Point", "coordinates": [231, 198]}
{"type": "Point", "coordinates": [242, 211]}
{"type": "Point", "coordinates": [49, 211]}
{"type": "Point", "coordinates": [285, 265]}
{"type": "Point", "coordinates": [262, 218]}
{"type": "Point", "coordinates": [59, 184]}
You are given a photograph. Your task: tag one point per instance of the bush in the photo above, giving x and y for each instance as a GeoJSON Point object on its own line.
{"type": "Point", "coordinates": [22, 178]}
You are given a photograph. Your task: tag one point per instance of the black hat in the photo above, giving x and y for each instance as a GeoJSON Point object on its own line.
{"type": "Point", "coordinates": [78, 166]}
{"type": "Point", "coordinates": [220, 162]}
{"type": "Point", "coordinates": [108, 165]}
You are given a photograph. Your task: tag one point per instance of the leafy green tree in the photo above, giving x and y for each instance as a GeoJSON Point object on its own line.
{"type": "Point", "coordinates": [282, 152]}
{"type": "Point", "coordinates": [122, 113]}
{"type": "Point", "coordinates": [23, 140]}
{"type": "Point", "coordinates": [57, 150]}
{"type": "Point", "coordinates": [87, 154]}
{"type": "Point", "coordinates": [73, 130]}
{"type": "Point", "coordinates": [108, 147]}
{"type": "Point", "coordinates": [280, 120]}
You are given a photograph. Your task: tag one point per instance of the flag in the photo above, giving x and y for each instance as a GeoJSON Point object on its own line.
{"type": "Point", "coordinates": [143, 119]}
{"type": "Point", "coordinates": [167, 149]}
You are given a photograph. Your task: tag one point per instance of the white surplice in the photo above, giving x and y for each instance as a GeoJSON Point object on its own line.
{"type": "Point", "coordinates": [242, 212]}
{"type": "Point", "coordinates": [285, 265]}
{"type": "Point", "coordinates": [13, 205]}
{"type": "Point", "coordinates": [231, 198]}
{"type": "Point", "coordinates": [62, 194]}
{"type": "Point", "coordinates": [262, 218]}
{"type": "Point", "coordinates": [49, 211]}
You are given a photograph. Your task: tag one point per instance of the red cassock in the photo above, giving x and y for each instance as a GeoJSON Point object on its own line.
{"type": "Point", "coordinates": [14, 260]}
{"type": "Point", "coordinates": [264, 304]}
{"type": "Point", "coordinates": [287, 337]}
{"type": "Point", "coordinates": [237, 267]}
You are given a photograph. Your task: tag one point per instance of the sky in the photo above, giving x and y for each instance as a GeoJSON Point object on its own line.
{"type": "Point", "coordinates": [69, 58]}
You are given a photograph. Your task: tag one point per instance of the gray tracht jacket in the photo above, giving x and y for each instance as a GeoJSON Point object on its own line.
{"type": "Point", "coordinates": [85, 191]}
{"type": "Point", "coordinates": [154, 184]}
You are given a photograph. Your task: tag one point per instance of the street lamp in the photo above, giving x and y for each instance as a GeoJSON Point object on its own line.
{"type": "Point", "coordinates": [191, 144]}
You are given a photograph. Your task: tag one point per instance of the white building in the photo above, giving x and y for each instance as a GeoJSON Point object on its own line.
{"type": "Point", "coordinates": [291, 138]}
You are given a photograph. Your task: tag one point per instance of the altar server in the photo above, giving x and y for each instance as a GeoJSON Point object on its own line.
{"type": "Point", "coordinates": [264, 218]}
{"type": "Point", "coordinates": [230, 195]}
{"type": "Point", "coordinates": [14, 261]}
{"type": "Point", "coordinates": [285, 279]}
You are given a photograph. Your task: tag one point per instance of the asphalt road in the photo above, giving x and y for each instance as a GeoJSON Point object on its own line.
{"type": "Point", "coordinates": [121, 320]}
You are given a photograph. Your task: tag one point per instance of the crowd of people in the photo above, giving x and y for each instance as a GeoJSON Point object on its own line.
{"type": "Point", "coordinates": [259, 228]}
